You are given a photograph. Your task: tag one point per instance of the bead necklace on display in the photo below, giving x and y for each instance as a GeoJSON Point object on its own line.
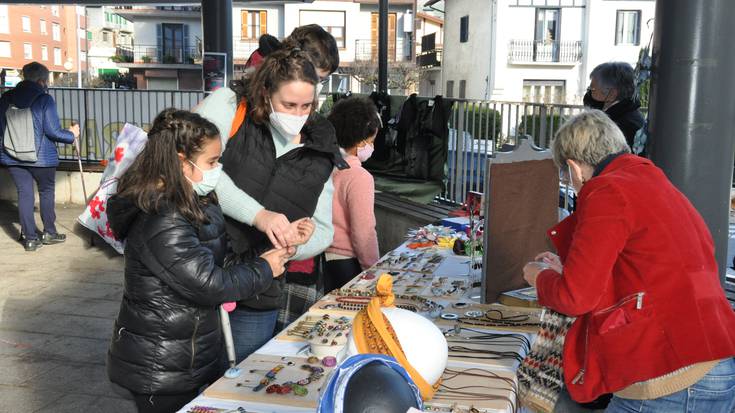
{"type": "Point", "coordinates": [477, 393]}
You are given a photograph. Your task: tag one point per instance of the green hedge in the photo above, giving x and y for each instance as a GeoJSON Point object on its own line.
{"type": "Point", "coordinates": [479, 122]}
{"type": "Point", "coordinates": [531, 125]}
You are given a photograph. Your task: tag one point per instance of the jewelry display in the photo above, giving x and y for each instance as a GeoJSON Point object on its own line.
{"type": "Point", "coordinates": [465, 390]}
{"type": "Point", "coordinates": [417, 261]}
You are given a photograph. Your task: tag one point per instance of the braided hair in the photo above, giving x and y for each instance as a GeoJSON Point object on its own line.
{"type": "Point", "coordinates": [155, 178]}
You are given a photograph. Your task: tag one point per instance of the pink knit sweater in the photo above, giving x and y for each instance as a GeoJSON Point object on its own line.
{"type": "Point", "coordinates": [353, 214]}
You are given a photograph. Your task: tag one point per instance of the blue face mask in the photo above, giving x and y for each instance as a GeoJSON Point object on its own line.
{"type": "Point", "coordinates": [209, 180]}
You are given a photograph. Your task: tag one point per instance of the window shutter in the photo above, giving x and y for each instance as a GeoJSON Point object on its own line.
{"type": "Point", "coordinates": [244, 16]}
{"type": "Point", "coordinates": [185, 49]}
{"type": "Point", "coordinates": [374, 36]}
{"type": "Point", "coordinates": [263, 22]}
{"type": "Point", "coordinates": [159, 41]}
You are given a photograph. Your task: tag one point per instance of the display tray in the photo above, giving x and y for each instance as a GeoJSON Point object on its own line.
{"type": "Point", "coordinates": [425, 261]}
{"type": "Point", "coordinates": [493, 316]}
{"type": "Point", "coordinates": [484, 390]}
{"type": "Point", "coordinates": [471, 347]}
{"type": "Point", "coordinates": [411, 283]}
{"type": "Point", "coordinates": [254, 369]}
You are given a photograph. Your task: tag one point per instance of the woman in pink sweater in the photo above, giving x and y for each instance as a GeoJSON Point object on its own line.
{"type": "Point", "coordinates": [355, 245]}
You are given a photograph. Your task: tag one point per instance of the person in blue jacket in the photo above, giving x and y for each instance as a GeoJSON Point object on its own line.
{"type": "Point", "coordinates": [33, 92]}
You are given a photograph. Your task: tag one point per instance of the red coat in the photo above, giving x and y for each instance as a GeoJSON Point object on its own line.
{"type": "Point", "coordinates": [640, 275]}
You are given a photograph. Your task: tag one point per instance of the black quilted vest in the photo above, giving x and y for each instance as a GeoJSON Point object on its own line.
{"type": "Point", "coordinates": [290, 184]}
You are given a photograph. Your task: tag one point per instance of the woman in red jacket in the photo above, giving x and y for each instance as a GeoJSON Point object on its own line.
{"type": "Point", "coordinates": [636, 266]}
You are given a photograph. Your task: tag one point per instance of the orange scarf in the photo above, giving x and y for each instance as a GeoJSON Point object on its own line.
{"type": "Point", "coordinates": [242, 110]}
{"type": "Point", "coordinates": [373, 333]}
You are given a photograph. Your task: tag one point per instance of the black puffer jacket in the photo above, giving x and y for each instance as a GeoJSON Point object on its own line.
{"type": "Point", "coordinates": [168, 337]}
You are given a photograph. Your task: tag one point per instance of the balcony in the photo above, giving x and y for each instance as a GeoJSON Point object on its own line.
{"type": "Point", "coordinates": [366, 51]}
{"type": "Point", "coordinates": [153, 54]}
{"type": "Point", "coordinates": [544, 52]}
{"type": "Point", "coordinates": [430, 54]}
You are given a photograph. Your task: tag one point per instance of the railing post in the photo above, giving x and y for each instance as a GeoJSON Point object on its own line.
{"type": "Point", "coordinates": [542, 126]}
{"type": "Point", "coordinates": [460, 153]}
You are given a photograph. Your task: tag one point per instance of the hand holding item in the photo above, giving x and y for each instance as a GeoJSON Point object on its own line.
{"type": "Point", "coordinates": [280, 232]}
{"type": "Point", "coordinates": [531, 271]}
{"type": "Point", "coordinates": [304, 229]}
{"type": "Point", "coordinates": [552, 260]}
{"type": "Point", "coordinates": [74, 129]}
{"type": "Point", "coordinates": [277, 259]}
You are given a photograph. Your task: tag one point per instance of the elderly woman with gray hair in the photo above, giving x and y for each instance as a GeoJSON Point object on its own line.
{"type": "Point", "coordinates": [612, 90]}
{"type": "Point", "coordinates": [636, 266]}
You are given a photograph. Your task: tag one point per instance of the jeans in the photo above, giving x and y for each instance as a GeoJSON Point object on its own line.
{"type": "Point", "coordinates": [714, 393]}
{"type": "Point", "coordinates": [251, 329]}
{"type": "Point", "coordinates": [45, 178]}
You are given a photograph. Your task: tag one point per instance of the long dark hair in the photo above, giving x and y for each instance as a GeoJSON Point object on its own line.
{"type": "Point", "coordinates": [279, 67]}
{"type": "Point", "coordinates": [155, 177]}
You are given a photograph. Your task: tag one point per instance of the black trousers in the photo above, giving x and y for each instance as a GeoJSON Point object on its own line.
{"type": "Point", "coordinates": [167, 403]}
{"type": "Point", "coordinates": [340, 272]}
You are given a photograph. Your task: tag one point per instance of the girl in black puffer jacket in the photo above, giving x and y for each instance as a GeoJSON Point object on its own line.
{"type": "Point", "coordinates": [167, 342]}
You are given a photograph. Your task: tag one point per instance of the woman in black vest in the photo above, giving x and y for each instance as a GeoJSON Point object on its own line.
{"type": "Point", "coordinates": [282, 156]}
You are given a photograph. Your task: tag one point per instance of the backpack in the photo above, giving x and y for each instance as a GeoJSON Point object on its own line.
{"type": "Point", "coordinates": [20, 139]}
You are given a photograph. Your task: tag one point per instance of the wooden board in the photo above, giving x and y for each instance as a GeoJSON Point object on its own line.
{"type": "Point", "coordinates": [310, 317]}
{"type": "Point", "coordinates": [487, 387]}
{"type": "Point", "coordinates": [228, 388]}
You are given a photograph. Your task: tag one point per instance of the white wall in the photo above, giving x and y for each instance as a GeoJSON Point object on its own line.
{"type": "Point", "coordinates": [467, 61]}
{"type": "Point", "coordinates": [471, 61]}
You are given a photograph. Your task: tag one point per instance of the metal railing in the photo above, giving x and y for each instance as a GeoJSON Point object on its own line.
{"type": "Point", "coordinates": [540, 51]}
{"type": "Point", "coordinates": [476, 128]}
{"type": "Point", "coordinates": [102, 113]}
{"type": "Point", "coordinates": [430, 58]}
{"type": "Point", "coordinates": [479, 128]}
{"type": "Point", "coordinates": [366, 50]}
{"type": "Point", "coordinates": [156, 54]}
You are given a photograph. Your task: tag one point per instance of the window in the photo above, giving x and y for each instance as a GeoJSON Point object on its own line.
{"type": "Point", "coordinates": [450, 89]}
{"type": "Point", "coordinates": [42, 26]}
{"type": "Point", "coordinates": [26, 24]}
{"type": "Point", "coordinates": [544, 91]}
{"type": "Point", "coordinates": [55, 11]}
{"type": "Point", "coordinates": [27, 51]}
{"type": "Point", "coordinates": [56, 32]}
{"type": "Point", "coordinates": [5, 49]}
{"type": "Point", "coordinates": [57, 56]}
{"type": "Point", "coordinates": [105, 36]}
{"type": "Point", "coordinates": [173, 43]}
{"type": "Point", "coordinates": [464, 29]}
{"type": "Point", "coordinates": [44, 52]}
{"type": "Point", "coordinates": [4, 24]}
{"type": "Point", "coordinates": [547, 25]}
{"type": "Point", "coordinates": [374, 20]}
{"type": "Point", "coordinates": [83, 55]}
{"type": "Point", "coordinates": [332, 21]}
{"type": "Point", "coordinates": [628, 27]}
{"type": "Point", "coordinates": [89, 35]}
{"type": "Point", "coordinates": [254, 24]}
{"type": "Point", "coordinates": [462, 88]}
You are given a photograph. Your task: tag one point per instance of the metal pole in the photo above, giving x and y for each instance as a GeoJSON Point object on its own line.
{"type": "Point", "coordinates": [383, 46]}
{"type": "Point", "coordinates": [217, 29]}
{"type": "Point", "coordinates": [692, 122]}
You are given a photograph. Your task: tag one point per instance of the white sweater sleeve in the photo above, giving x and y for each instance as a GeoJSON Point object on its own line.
{"type": "Point", "coordinates": [323, 234]}
{"type": "Point", "coordinates": [219, 108]}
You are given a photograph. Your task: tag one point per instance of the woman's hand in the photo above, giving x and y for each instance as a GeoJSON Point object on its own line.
{"type": "Point", "coordinates": [276, 226]}
{"type": "Point", "coordinates": [304, 228]}
{"type": "Point", "coordinates": [531, 271]}
{"type": "Point", "coordinates": [552, 260]}
{"type": "Point", "coordinates": [277, 259]}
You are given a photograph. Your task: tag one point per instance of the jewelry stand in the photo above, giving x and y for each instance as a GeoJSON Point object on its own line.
{"type": "Point", "coordinates": [522, 198]}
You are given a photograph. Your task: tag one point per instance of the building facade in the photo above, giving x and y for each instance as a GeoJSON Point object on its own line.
{"type": "Point", "coordinates": [110, 38]}
{"type": "Point", "coordinates": [537, 50]}
{"type": "Point", "coordinates": [353, 23]}
{"type": "Point", "coordinates": [167, 47]}
{"type": "Point", "coordinates": [52, 35]}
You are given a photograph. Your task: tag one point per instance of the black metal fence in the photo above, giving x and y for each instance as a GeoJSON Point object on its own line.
{"type": "Point", "coordinates": [156, 54]}
{"type": "Point", "coordinates": [102, 113]}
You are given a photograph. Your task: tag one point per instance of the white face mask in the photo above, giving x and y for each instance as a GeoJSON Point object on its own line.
{"type": "Point", "coordinates": [288, 125]}
{"type": "Point", "coordinates": [209, 180]}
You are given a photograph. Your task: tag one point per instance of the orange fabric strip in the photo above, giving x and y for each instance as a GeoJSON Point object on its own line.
{"type": "Point", "coordinates": [385, 298]}
{"type": "Point", "coordinates": [242, 110]}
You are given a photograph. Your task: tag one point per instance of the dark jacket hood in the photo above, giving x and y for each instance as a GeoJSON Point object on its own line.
{"type": "Point", "coordinates": [121, 213]}
{"type": "Point", "coordinates": [25, 93]}
{"type": "Point", "coordinates": [622, 107]}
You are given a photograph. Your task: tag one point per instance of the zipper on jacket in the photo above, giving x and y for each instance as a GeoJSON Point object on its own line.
{"type": "Point", "coordinates": [193, 340]}
{"type": "Point", "coordinates": [638, 297]}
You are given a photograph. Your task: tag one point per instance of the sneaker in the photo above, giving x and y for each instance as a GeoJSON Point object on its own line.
{"type": "Point", "coordinates": [32, 244]}
{"type": "Point", "coordinates": [49, 239]}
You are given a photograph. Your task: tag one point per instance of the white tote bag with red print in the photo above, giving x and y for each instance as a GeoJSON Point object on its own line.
{"type": "Point", "coordinates": [130, 142]}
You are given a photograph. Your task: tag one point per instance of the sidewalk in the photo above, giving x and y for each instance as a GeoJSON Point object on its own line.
{"type": "Point", "coordinates": [57, 306]}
